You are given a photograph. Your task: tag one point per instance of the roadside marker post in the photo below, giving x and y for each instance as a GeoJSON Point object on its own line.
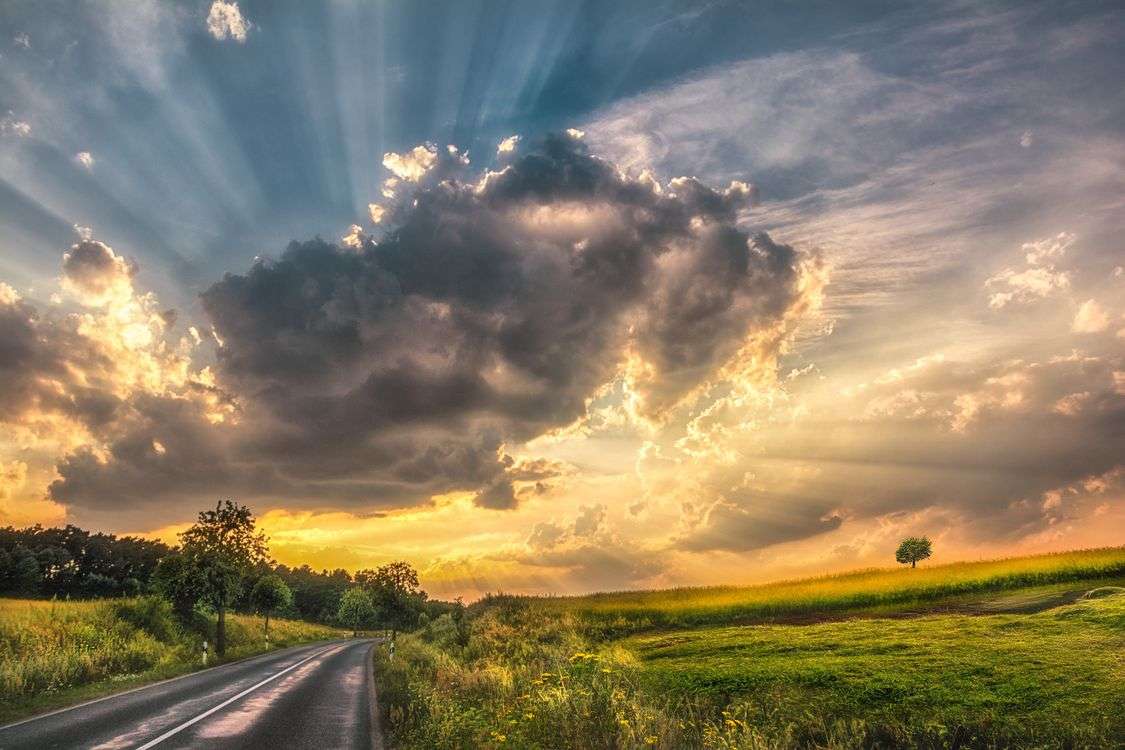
{"type": "Point", "coordinates": [205, 653]}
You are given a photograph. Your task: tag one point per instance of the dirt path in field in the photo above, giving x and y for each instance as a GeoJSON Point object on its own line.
{"type": "Point", "coordinates": [1023, 601]}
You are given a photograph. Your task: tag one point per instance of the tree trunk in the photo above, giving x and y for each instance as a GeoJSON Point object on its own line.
{"type": "Point", "coordinates": [914, 563]}
{"type": "Point", "coordinates": [267, 626]}
{"type": "Point", "coordinates": [221, 632]}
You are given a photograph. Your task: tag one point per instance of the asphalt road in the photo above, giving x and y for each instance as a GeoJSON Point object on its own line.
{"type": "Point", "coordinates": [318, 696]}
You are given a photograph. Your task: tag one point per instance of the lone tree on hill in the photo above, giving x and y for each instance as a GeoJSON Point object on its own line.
{"type": "Point", "coordinates": [356, 609]}
{"type": "Point", "coordinates": [224, 546]}
{"type": "Point", "coordinates": [269, 595]}
{"type": "Point", "coordinates": [913, 549]}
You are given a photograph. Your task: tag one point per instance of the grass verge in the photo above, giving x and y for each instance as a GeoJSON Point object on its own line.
{"type": "Point", "coordinates": [54, 654]}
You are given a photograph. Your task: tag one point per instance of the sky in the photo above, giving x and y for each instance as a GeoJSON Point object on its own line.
{"type": "Point", "coordinates": [557, 297]}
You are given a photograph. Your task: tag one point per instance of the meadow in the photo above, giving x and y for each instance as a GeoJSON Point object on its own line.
{"type": "Point", "coordinates": [877, 590]}
{"type": "Point", "coordinates": [1020, 653]}
{"type": "Point", "coordinates": [58, 652]}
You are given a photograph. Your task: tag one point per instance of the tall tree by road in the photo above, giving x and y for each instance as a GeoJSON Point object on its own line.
{"type": "Point", "coordinates": [223, 545]}
{"type": "Point", "coordinates": [397, 595]}
{"type": "Point", "coordinates": [356, 610]}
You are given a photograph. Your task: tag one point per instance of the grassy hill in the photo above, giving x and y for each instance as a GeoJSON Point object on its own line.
{"type": "Point", "coordinates": [1012, 653]}
{"type": "Point", "coordinates": [888, 590]}
{"type": "Point", "coordinates": [57, 652]}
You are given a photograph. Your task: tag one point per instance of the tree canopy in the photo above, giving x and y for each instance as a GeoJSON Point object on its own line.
{"type": "Point", "coordinates": [356, 609]}
{"type": "Point", "coordinates": [912, 549]}
{"type": "Point", "coordinates": [224, 545]}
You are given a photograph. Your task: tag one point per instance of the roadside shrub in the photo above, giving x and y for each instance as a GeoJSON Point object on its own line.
{"type": "Point", "coordinates": [151, 614]}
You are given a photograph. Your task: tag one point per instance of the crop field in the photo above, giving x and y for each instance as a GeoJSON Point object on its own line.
{"type": "Point", "coordinates": [56, 652]}
{"type": "Point", "coordinates": [1020, 653]}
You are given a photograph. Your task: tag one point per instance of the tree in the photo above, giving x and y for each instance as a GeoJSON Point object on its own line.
{"type": "Point", "coordinates": [396, 593]}
{"type": "Point", "coordinates": [913, 549]}
{"type": "Point", "coordinates": [19, 571]}
{"type": "Point", "coordinates": [223, 546]}
{"type": "Point", "coordinates": [178, 581]}
{"type": "Point", "coordinates": [356, 609]}
{"type": "Point", "coordinates": [270, 594]}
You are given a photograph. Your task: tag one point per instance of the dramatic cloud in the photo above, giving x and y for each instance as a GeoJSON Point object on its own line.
{"type": "Point", "coordinates": [385, 372]}
{"type": "Point", "coordinates": [85, 158]}
{"type": "Point", "coordinates": [97, 276]}
{"type": "Point", "coordinates": [225, 21]}
{"type": "Point", "coordinates": [413, 165]}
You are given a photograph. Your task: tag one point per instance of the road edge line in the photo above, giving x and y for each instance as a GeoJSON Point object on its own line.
{"type": "Point", "coordinates": [228, 701]}
{"type": "Point", "coordinates": [373, 703]}
{"type": "Point", "coordinates": [165, 681]}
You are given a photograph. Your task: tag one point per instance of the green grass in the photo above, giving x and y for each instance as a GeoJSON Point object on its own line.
{"type": "Point", "coordinates": [996, 654]}
{"type": "Point", "coordinates": [53, 653]}
{"type": "Point", "coordinates": [890, 589]}
{"type": "Point", "coordinates": [1041, 674]}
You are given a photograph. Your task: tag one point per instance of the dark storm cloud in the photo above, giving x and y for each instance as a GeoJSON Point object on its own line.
{"type": "Point", "coordinates": [39, 358]}
{"type": "Point", "coordinates": [389, 372]}
{"type": "Point", "coordinates": [744, 523]}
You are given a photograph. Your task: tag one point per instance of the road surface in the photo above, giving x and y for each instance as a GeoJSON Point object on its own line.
{"type": "Point", "coordinates": [318, 696]}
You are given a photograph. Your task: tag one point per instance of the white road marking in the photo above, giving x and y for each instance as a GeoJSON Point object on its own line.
{"type": "Point", "coordinates": [227, 702]}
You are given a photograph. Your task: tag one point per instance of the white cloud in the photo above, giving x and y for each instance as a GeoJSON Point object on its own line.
{"type": "Point", "coordinates": [8, 295]}
{"type": "Point", "coordinates": [225, 21]}
{"type": "Point", "coordinates": [376, 212]}
{"type": "Point", "coordinates": [1090, 318]}
{"type": "Point", "coordinates": [22, 40]}
{"type": "Point", "coordinates": [508, 145]}
{"type": "Point", "coordinates": [576, 134]}
{"type": "Point", "coordinates": [1026, 139]}
{"type": "Point", "coordinates": [1039, 279]}
{"type": "Point", "coordinates": [413, 165]}
{"type": "Point", "coordinates": [85, 158]}
{"type": "Point", "coordinates": [84, 232]}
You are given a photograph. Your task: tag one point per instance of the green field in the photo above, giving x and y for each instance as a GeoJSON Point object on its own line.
{"type": "Point", "coordinates": [944, 587]}
{"type": "Point", "coordinates": [1023, 652]}
{"type": "Point", "coordinates": [57, 652]}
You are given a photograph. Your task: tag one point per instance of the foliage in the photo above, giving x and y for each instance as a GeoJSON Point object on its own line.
{"type": "Point", "coordinates": [269, 595]}
{"type": "Point", "coordinates": [223, 547]}
{"type": "Point", "coordinates": [48, 649]}
{"type": "Point", "coordinates": [356, 610]}
{"type": "Point", "coordinates": [396, 594]}
{"type": "Point", "coordinates": [179, 582]}
{"type": "Point", "coordinates": [913, 549]}
{"type": "Point", "coordinates": [72, 562]}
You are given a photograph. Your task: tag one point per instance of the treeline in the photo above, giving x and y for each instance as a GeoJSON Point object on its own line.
{"type": "Point", "coordinates": [75, 563]}
{"type": "Point", "coordinates": [72, 563]}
